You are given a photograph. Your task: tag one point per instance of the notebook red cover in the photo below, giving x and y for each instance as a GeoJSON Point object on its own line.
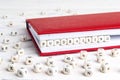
{"type": "Point", "coordinates": [75, 23]}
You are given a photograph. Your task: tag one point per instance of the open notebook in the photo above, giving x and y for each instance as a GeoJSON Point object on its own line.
{"type": "Point", "coordinates": [71, 34]}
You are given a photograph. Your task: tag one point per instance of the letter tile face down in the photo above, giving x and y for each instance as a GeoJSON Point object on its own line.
{"type": "Point", "coordinates": [83, 54]}
{"type": "Point", "coordinates": [50, 62]}
{"type": "Point", "coordinates": [51, 71]}
{"type": "Point", "coordinates": [100, 59]}
{"type": "Point", "coordinates": [88, 72]}
{"type": "Point", "coordinates": [14, 58]}
{"type": "Point", "coordinates": [22, 72]}
{"type": "Point", "coordinates": [68, 58]}
{"type": "Point", "coordinates": [4, 48]}
{"type": "Point", "coordinates": [17, 45]}
{"type": "Point", "coordinates": [29, 60]}
{"type": "Point", "coordinates": [24, 38]}
{"type": "Point", "coordinates": [67, 69]}
{"type": "Point", "coordinates": [37, 68]}
{"type": "Point", "coordinates": [87, 64]}
{"type": "Point", "coordinates": [14, 33]}
{"type": "Point", "coordinates": [11, 67]}
{"type": "Point", "coordinates": [6, 40]}
{"type": "Point", "coordinates": [115, 52]}
{"type": "Point", "coordinates": [74, 64]}
{"type": "Point", "coordinates": [104, 67]}
{"type": "Point", "coordinates": [20, 52]}
{"type": "Point", "coordinates": [100, 52]}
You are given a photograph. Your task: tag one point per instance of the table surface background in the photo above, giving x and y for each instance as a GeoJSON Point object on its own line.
{"type": "Point", "coordinates": [32, 9]}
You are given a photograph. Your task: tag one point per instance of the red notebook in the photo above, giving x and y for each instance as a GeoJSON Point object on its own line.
{"type": "Point", "coordinates": [71, 34]}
